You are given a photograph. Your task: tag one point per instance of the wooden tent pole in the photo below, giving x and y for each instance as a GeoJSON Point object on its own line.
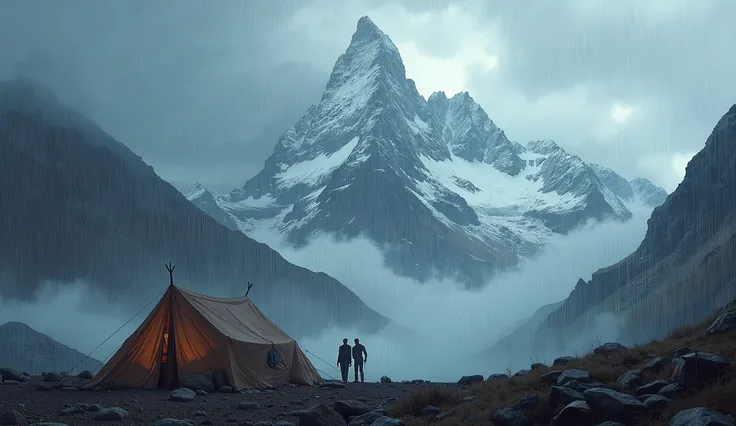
{"type": "Point", "coordinates": [172, 370]}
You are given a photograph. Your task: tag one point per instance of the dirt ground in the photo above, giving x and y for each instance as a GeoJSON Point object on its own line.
{"type": "Point", "coordinates": [146, 406]}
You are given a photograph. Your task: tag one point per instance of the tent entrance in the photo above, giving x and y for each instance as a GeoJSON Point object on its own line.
{"type": "Point", "coordinates": [168, 376]}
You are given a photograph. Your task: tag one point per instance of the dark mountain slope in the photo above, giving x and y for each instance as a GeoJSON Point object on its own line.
{"type": "Point", "coordinates": [25, 349]}
{"type": "Point", "coordinates": [73, 208]}
{"type": "Point", "coordinates": [684, 267]}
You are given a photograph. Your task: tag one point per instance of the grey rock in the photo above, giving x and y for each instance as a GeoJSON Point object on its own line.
{"type": "Point", "coordinates": [526, 402]}
{"type": "Point", "coordinates": [682, 351]}
{"type": "Point", "coordinates": [111, 414]}
{"type": "Point", "coordinates": [612, 405]}
{"type": "Point", "coordinates": [652, 387]}
{"type": "Point", "coordinates": [321, 415]}
{"type": "Point", "coordinates": [725, 322]}
{"type": "Point", "coordinates": [385, 379]}
{"type": "Point", "coordinates": [350, 408]}
{"type": "Point", "coordinates": [431, 409]}
{"type": "Point", "coordinates": [551, 377]}
{"type": "Point", "coordinates": [510, 417]}
{"type": "Point", "coordinates": [248, 406]}
{"type": "Point", "coordinates": [656, 364]}
{"type": "Point", "coordinates": [559, 395]}
{"type": "Point", "coordinates": [695, 369]}
{"type": "Point", "coordinates": [563, 360]}
{"type": "Point", "coordinates": [469, 380]}
{"type": "Point", "coordinates": [580, 376]}
{"type": "Point", "coordinates": [701, 417]}
{"type": "Point", "coordinates": [10, 374]}
{"type": "Point", "coordinates": [496, 377]}
{"type": "Point", "coordinates": [630, 379]}
{"type": "Point", "coordinates": [657, 402]}
{"type": "Point", "coordinates": [367, 418]}
{"type": "Point", "coordinates": [576, 413]}
{"type": "Point", "coordinates": [182, 395]}
{"type": "Point", "coordinates": [332, 385]}
{"type": "Point", "coordinates": [609, 347]}
{"type": "Point", "coordinates": [671, 390]}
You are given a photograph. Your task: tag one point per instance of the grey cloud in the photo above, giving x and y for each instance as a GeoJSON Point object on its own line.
{"type": "Point", "coordinates": [203, 89]}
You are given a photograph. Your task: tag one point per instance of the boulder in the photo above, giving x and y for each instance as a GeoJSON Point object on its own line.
{"type": "Point", "coordinates": [559, 395]}
{"type": "Point", "coordinates": [657, 403]}
{"type": "Point", "coordinates": [609, 347]}
{"type": "Point", "coordinates": [496, 377]}
{"type": "Point", "coordinates": [576, 413]}
{"type": "Point", "coordinates": [682, 351]}
{"type": "Point", "coordinates": [551, 377]}
{"type": "Point", "coordinates": [611, 405]}
{"type": "Point", "coordinates": [248, 406]}
{"type": "Point", "coordinates": [563, 360]}
{"type": "Point", "coordinates": [111, 414]}
{"type": "Point", "coordinates": [630, 379]}
{"type": "Point", "coordinates": [656, 364]}
{"type": "Point", "coordinates": [510, 417]}
{"type": "Point", "coordinates": [385, 379]}
{"type": "Point", "coordinates": [469, 380]}
{"type": "Point", "coordinates": [698, 368]}
{"type": "Point", "coordinates": [701, 417]}
{"type": "Point", "coordinates": [10, 374]}
{"type": "Point", "coordinates": [526, 402]}
{"type": "Point", "coordinates": [725, 322]}
{"type": "Point", "coordinates": [651, 388]}
{"type": "Point", "coordinates": [366, 419]}
{"type": "Point", "coordinates": [350, 408]}
{"type": "Point", "coordinates": [580, 376]}
{"type": "Point", "coordinates": [197, 382]}
{"type": "Point", "coordinates": [182, 395]}
{"type": "Point", "coordinates": [321, 415]}
{"type": "Point", "coordinates": [671, 390]}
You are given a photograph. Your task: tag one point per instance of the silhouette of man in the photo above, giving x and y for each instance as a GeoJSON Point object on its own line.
{"type": "Point", "coordinates": [343, 360]}
{"type": "Point", "coordinates": [360, 357]}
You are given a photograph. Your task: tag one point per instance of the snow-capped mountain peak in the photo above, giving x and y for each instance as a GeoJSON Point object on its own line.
{"type": "Point", "coordinates": [434, 182]}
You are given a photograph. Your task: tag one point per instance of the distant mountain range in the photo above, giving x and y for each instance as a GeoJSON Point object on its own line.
{"type": "Point", "coordinates": [26, 350]}
{"type": "Point", "coordinates": [683, 270]}
{"type": "Point", "coordinates": [435, 183]}
{"type": "Point", "coordinates": [77, 205]}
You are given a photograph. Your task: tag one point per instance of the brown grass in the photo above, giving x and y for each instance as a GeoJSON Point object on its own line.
{"type": "Point", "coordinates": [491, 396]}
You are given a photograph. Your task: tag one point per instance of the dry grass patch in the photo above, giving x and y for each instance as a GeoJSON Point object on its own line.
{"type": "Point", "coordinates": [604, 368]}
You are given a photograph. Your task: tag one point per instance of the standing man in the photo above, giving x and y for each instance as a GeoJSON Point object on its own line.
{"type": "Point", "coordinates": [360, 357]}
{"type": "Point", "coordinates": [343, 360]}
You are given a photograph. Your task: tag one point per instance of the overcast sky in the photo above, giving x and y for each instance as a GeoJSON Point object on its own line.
{"type": "Point", "coordinates": [634, 85]}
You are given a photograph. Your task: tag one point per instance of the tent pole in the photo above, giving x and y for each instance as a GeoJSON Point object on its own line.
{"type": "Point", "coordinates": [172, 369]}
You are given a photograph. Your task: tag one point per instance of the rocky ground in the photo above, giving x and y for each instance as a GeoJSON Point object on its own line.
{"type": "Point", "coordinates": [36, 400]}
{"type": "Point", "coordinates": [686, 379]}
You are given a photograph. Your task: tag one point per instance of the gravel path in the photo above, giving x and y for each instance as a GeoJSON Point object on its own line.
{"type": "Point", "coordinates": [146, 406]}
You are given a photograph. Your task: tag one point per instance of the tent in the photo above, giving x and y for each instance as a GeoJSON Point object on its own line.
{"type": "Point", "coordinates": [189, 333]}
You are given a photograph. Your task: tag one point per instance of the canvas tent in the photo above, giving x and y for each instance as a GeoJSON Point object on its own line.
{"type": "Point", "coordinates": [189, 333]}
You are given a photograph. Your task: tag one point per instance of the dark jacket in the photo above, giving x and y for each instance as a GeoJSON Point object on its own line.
{"type": "Point", "coordinates": [359, 352]}
{"type": "Point", "coordinates": [343, 355]}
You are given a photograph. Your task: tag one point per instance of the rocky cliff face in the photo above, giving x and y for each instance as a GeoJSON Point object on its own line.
{"type": "Point", "coordinates": [683, 269]}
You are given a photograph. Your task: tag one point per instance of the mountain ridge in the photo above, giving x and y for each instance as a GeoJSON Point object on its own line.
{"type": "Point", "coordinates": [457, 197]}
{"type": "Point", "coordinates": [80, 210]}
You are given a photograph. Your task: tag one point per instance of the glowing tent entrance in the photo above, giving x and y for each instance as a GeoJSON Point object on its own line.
{"type": "Point", "coordinates": [189, 333]}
